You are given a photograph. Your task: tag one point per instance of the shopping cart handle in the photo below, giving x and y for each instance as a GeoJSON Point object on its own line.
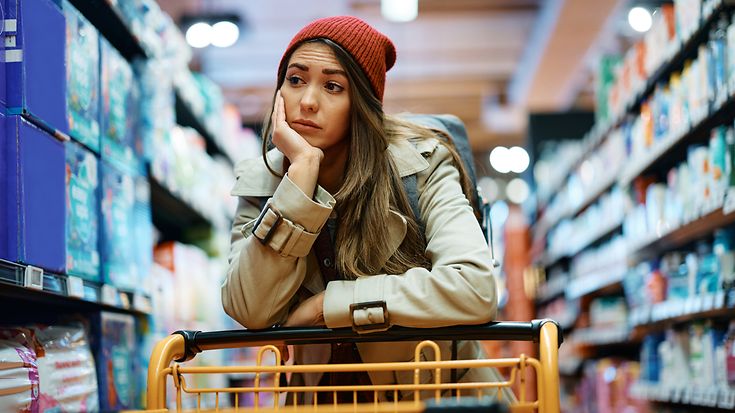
{"type": "Point", "coordinates": [198, 341]}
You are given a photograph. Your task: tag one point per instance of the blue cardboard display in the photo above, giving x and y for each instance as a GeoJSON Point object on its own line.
{"type": "Point", "coordinates": [34, 62]}
{"type": "Point", "coordinates": [32, 207]}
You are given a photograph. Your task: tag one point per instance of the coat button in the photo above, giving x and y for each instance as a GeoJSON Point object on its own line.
{"type": "Point", "coordinates": [327, 262]}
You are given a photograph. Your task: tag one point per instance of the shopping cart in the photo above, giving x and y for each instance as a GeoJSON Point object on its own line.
{"type": "Point", "coordinates": [184, 345]}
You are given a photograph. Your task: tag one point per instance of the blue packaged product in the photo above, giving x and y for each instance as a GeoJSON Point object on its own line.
{"type": "Point", "coordinates": [143, 232]}
{"type": "Point", "coordinates": [82, 213]}
{"type": "Point", "coordinates": [82, 78]}
{"type": "Point", "coordinates": [115, 350]}
{"type": "Point", "coordinates": [32, 205]}
{"type": "Point", "coordinates": [119, 107]}
{"type": "Point", "coordinates": [118, 252]}
{"type": "Point", "coordinates": [34, 60]}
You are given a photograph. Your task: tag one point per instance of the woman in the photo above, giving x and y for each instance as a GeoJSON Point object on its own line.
{"type": "Point", "coordinates": [325, 234]}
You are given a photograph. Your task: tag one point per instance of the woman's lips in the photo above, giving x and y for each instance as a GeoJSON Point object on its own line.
{"type": "Point", "coordinates": [305, 124]}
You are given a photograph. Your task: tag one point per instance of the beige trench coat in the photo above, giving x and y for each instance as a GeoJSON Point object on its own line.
{"type": "Point", "coordinates": [263, 278]}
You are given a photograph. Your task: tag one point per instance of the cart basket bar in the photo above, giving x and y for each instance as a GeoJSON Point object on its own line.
{"type": "Point", "coordinates": [198, 341]}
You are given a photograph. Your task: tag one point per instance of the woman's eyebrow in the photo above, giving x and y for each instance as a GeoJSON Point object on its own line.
{"type": "Point", "coordinates": [334, 72]}
{"type": "Point", "coordinates": [299, 66]}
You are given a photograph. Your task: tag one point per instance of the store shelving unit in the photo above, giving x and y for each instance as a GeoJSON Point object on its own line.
{"type": "Point", "coordinates": [625, 339]}
{"type": "Point", "coordinates": [186, 117]}
{"type": "Point", "coordinates": [102, 14]}
{"type": "Point", "coordinates": [22, 283]}
{"type": "Point", "coordinates": [685, 395]}
{"type": "Point", "coordinates": [172, 216]}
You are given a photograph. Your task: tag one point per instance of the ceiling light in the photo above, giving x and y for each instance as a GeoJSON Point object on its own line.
{"type": "Point", "coordinates": [640, 19]}
{"type": "Point", "coordinates": [499, 159]}
{"type": "Point", "coordinates": [488, 188]}
{"type": "Point", "coordinates": [225, 34]}
{"type": "Point", "coordinates": [199, 35]}
{"type": "Point", "coordinates": [519, 159]}
{"type": "Point", "coordinates": [517, 191]}
{"type": "Point", "coordinates": [399, 10]}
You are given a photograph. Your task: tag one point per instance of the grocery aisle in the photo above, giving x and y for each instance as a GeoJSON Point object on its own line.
{"type": "Point", "coordinates": [634, 235]}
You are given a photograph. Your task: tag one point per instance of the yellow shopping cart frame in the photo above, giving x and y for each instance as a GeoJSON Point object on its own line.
{"type": "Point", "coordinates": [185, 345]}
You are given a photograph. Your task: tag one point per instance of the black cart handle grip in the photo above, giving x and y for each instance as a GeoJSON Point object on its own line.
{"type": "Point", "coordinates": [198, 341]}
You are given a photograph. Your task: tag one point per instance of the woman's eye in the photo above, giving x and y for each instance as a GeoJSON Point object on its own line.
{"type": "Point", "coordinates": [293, 80]}
{"type": "Point", "coordinates": [334, 87]}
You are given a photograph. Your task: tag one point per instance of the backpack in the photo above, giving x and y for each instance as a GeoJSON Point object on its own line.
{"type": "Point", "coordinates": [454, 128]}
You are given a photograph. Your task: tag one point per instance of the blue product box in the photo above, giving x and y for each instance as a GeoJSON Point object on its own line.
{"type": "Point", "coordinates": [82, 78]}
{"type": "Point", "coordinates": [119, 267]}
{"type": "Point", "coordinates": [34, 59]}
{"type": "Point", "coordinates": [119, 107]}
{"type": "Point", "coordinates": [114, 347]}
{"type": "Point", "coordinates": [82, 213]}
{"type": "Point", "coordinates": [32, 206]}
{"type": "Point", "coordinates": [143, 232]}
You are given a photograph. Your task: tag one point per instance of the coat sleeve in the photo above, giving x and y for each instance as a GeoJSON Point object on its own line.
{"type": "Point", "coordinates": [263, 277]}
{"type": "Point", "coordinates": [459, 288]}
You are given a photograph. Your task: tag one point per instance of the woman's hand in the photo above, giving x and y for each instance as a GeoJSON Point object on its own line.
{"type": "Point", "coordinates": [309, 313]}
{"type": "Point", "coordinates": [287, 140]}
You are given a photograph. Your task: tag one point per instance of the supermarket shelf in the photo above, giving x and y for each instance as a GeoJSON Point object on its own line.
{"type": "Point", "coordinates": [551, 289]}
{"type": "Point", "coordinates": [186, 117]}
{"type": "Point", "coordinates": [23, 283]}
{"type": "Point", "coordinates": [662, 314]}
{"type": "Point", "coordinates": [107, 19]}
{"type": "Point", "coordinates": [600, 234]}
{"type": "Point", "coordinates": [593, 283]}
{"type": "Point", "coordinates": [601, 336]}
{"type": "Point", "coordinates": [686, 394]}
{"type": "Point", "coordinates": [172, 216]}
{"type": "Point", "coordinates": [718, 217]}
{"type": "Point", "coordinates": [686, 50]}
{"type": "Point", "coordinates": [672, 150]}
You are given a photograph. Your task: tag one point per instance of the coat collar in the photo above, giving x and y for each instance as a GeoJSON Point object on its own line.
{"type": "Point", "coordinates": [254, 179]}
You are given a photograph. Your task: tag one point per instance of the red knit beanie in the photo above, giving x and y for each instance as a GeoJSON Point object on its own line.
{"type": "Point", "coordinates": [373, 51]}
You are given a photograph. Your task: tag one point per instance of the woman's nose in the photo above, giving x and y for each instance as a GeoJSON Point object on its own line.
{"type": "Point", "coordinates": [309, 100]}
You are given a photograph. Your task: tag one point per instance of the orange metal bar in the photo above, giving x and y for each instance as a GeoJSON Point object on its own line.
{"type": "Point", "coordinates": [165, 352]}
{"type": "Point", "coordinates": [549, 358]}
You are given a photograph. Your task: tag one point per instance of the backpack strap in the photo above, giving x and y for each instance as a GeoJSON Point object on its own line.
{"type": "Point", "coordinates": [412, 192]}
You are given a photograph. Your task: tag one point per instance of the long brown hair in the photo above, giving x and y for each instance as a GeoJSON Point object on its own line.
{"type": "Point", "coordinates": [372, 186]}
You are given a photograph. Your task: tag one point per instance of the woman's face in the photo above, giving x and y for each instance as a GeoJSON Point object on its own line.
{"type": "Point", "coordinates": [316, 96]}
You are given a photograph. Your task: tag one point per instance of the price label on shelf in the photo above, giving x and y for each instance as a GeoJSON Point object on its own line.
{"type": "Point", "coordinates": [75, 286]}
{"type": "Point", "coordinates": [109, 295]}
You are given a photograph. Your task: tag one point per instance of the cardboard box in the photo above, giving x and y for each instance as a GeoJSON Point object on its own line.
{"type": "Point", "coordinates": [114, 347]}
{"type": "Point", "coordinates": [82, 78]}
{"type": "Point", "coordinates": [82, 213]}
{"type": "Point", "coordinates": [32, 206]}
{"type": "Point", "coordinates": [34, 60]}
{"type": "Point", "coordinates": [119, 266]}
{"type": "Point", "coordinates": [119, 107]}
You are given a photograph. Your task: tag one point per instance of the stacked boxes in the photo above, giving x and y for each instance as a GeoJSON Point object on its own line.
{"type": "Point", "coordinates": [32, 181]}
{"type": "Point", "coordinates": [34, 59]}
{"type": "Point", "coordinates": [119, 107]}
{"type": "Point", "coordinates": [83, 78]}
{"type": "Point", "coordinates": [118, 252]}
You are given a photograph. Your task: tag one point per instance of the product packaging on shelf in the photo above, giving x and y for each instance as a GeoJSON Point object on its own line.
{"type": "Point", "coordinates": [115, 349]}
{"type": "Point", "coordinates": [119, 108]}
{"type": "Point", "coordinates": [82, 213]}
{"type": "Point", "coordinates": [82, 78]}
{"type": "Point", "coordinates": [32, 207]}
{"type": "Point", "coordinates": [68, 381]}
{"type": "Point", "coordinates": [143, 232]}
{"type": "Point", "coordinates": [119, 267]}
{"type": "Point", "coordinates": [19, 386]}
{"type": "Point", "coordinates": [34, 62]}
